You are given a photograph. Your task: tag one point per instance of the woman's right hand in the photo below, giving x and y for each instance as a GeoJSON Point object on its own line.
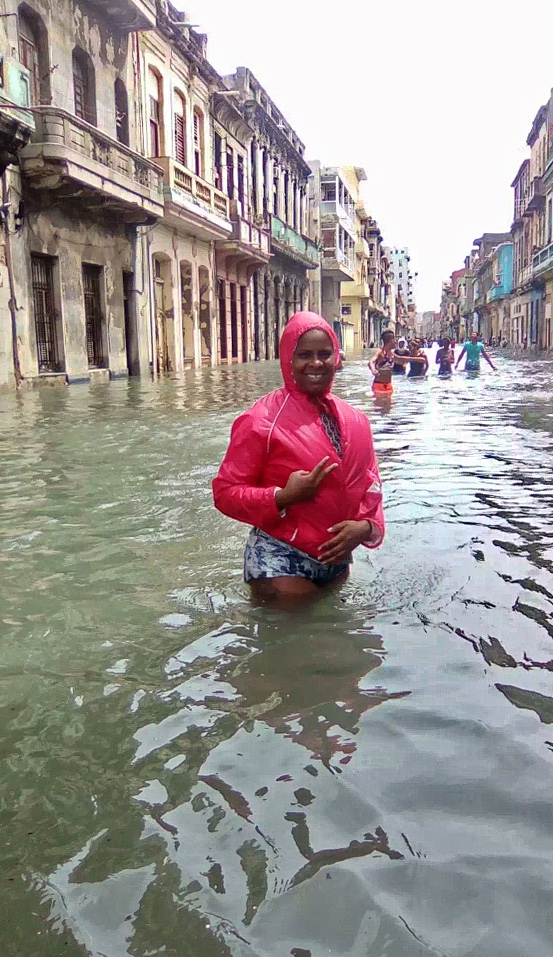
{"type": "Point", "coordinates": [302, 485]}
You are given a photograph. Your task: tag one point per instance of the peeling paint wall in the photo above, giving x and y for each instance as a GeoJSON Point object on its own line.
{"type": "Point", "coordinates": [74, 229]}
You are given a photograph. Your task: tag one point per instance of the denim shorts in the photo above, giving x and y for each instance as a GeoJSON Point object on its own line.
{"type": "Point", "coordinates": [267, 557]}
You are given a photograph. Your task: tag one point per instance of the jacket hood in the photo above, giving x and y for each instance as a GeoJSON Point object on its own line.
{"type": "Point", "coordinates": [300, 323]}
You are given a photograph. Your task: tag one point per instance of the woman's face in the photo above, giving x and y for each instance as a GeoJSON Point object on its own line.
{"type": "Point", "coordinates": [314, 362]}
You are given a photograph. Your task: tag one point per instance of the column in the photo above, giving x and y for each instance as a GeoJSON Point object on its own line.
{"type": "Point", "coordinates": [297, 204]}
{"type": "Point", "coordinates": [259, 170]}
{"type": "Point", "coordinates": [197, 336]}
{"type": "Point", "coordinates": [269, 166]}
{"type": "Point", "coordinates": [302, 225]}
{"type": "Point", "coordinates": [282, 190]}
{"type": "Point", "coordinates": [224, 175]}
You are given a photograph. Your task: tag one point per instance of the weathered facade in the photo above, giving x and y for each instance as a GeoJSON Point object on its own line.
{"type": "Point", "coordinates": [175, 88]}
{"type": "Point", "coordinates": [278, 205]}
{"type": "Point", "coordinates": [352, 284]}
{"type": "Point", "coordinates": [332, 199]}
{"type": "Point", "coordinates": [81, 195]}
{"type": "Point", "coordinates": [529, 233]}
{"type": "Point", "coordinates": [541, 305]}
{"type": "Point", "coordinates": [239, 258]}
{"type": "Point", "coordinates": [489, 305]}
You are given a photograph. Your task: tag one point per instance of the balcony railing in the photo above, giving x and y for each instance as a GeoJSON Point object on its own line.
{"type": "Point", "coordinates": [543, 260]}
{"type": "Point", "coordinates": [345, 215]}
{"type": "Point", "coordinates": [535, 197]}
{"type": "Point", "coordinates": [179, 179]}
{"type": "Point", "coordinates": [336, 260]}
{"type": "Point", "coordinates": [244, 232]}
{"type": "Point", "coordinates": [99, 164]}
{"type": "Point", "coordinates": [345, 260]}
{"type": "Point", "coordinates": [299, 246]}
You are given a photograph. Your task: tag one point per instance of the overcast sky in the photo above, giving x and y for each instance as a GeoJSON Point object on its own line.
{"type": "Point", "coordinates": [434, 98]}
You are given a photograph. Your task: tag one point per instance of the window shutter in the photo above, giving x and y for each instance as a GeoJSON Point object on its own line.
{"type": "Point", "coordinates": [180, 139]}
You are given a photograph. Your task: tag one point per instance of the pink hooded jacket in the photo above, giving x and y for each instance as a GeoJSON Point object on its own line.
{"type": "Point", "coordinates": [283, 433]}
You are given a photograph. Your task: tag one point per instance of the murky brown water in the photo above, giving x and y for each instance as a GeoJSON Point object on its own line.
{"type": "Point", "coordinates": [186, 775]}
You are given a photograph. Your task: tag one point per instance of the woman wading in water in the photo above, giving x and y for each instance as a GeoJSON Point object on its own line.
{"type": "Point", "coordinates": [301, 469]}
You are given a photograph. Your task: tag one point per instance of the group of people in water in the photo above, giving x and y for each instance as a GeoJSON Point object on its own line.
{"type": "Point", "coordinates": [394, 357]}
{"type": "Point", "coordinates": [301, 468]}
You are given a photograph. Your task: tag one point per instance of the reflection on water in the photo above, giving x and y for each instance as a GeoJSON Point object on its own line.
{"type": "Point", "coordinates": [184, 774]}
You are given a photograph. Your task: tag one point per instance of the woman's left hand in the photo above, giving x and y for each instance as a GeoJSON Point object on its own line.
{"type": "Point", "coordinates": [346, 537]}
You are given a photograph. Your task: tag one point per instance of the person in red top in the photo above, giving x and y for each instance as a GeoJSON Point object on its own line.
{"type": "Point", "coordinates": [301, 469]}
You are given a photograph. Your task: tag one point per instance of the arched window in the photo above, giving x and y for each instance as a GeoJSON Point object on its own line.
{"type": "Point", "coordinates": [121, 112]}
{"type": "Point", "coordinates": [84, 86]}
{"type": "Point", "coordinates": [155, 112]}
{"type": "Point", "coordinates": [180, 128]}
{"type": "Point", "coordinates": [199, 156]}
{"type": "Point", "coordinates": [33, 53]}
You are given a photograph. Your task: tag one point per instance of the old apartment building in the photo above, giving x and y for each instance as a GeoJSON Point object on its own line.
{"type": "Point", "coordinates": [277, 204]}
{"type": "Point", "coordinates": [353, 283]}
{"type": "Point", "coordinates": [155, 216]}
{"type": "Point", "coordinates": [71, 263]}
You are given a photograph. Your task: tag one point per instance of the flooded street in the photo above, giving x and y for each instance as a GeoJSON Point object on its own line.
{"type": "Point", "coordinates": [186, 775]}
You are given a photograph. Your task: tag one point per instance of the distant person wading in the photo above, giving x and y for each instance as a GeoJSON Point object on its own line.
{"type": "Point", "coordinates": [473, 351]}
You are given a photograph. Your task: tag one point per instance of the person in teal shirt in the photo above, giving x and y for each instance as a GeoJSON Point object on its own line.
{"type": "Point", "coordinates": [473, 350]}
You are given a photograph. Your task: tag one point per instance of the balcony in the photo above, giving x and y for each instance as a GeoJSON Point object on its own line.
{"type": "Point", "coordinates": [332, 211]}
{"type": "Point", "coordinates": [525, 275]}
{"type": "Point", "coordinates": [355, 290]}
{"type": "Point", "coordinates": [542, 263]}
{"type": "Point", "coordinates": [535, 197]}
{"type": "Point", "coordinates": [128, 15]}
{"type": "Point", "coordinates": [338, 265]}
{"type": "Point", "coordinates": [16, 124]}
{"type": "Point", "coordinates": [373, 265]}
{"type": "Point", "coordinates": [76, 161]}
{"type": "Point", "coordinates": [362, 248]}
{"type": "Point", "coordinates": [248, 245]}
{"type": "Point", "coordinates": [191, 200]}
{"type": "Point", "coordinates": [288, 242]}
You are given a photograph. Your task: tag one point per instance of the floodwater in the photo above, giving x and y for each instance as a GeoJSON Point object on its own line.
{"type": "Point", "coordinates": [186, 775]}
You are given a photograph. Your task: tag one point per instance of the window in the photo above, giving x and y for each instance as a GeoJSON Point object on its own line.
{"type": "Point", "coordinates": [28, 53]}
{"type": "Point", "coordinates": [154, 112]}
{"type": "Point", "coordinates": [121, 112]}
{"type": "Point", "coordinates": [198, 142]}
{"type": "Point", "coordinates": [154, 127]}
{"type": "Point", "coordinates": [230, 172]}
{"type": "Point", "coordinates": [84, 86]}
{"type": "Point", "coordinates": [218, 161]}
{"type": "Point", "coordinates": [33, 53]}
{"type": "Point", "coordinates": [180, 129]}
{"type": "Point", "coordinates": [47, 340]}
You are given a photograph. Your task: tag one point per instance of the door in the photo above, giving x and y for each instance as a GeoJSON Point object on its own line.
{"type": "Point", "coordinates": [94, 319]}
{"type": "Point", "coordinates": [131, 342]}
{"type": "Point", "coordinates": [162, 348]}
